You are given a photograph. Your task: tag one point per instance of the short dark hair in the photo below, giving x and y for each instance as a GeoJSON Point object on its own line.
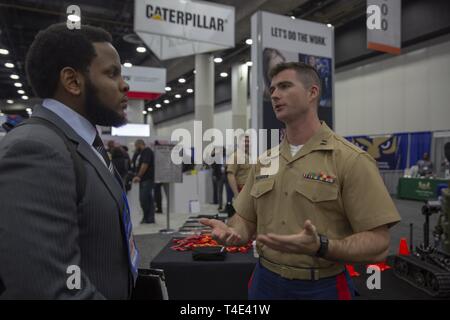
{"type": "Point", "coordinates": [307, 74]}
{"type": "Point", "coordinates": [58, 47]}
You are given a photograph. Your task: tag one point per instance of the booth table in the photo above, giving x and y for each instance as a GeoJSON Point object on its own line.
{"type": "Point", "coordinates": [419, 188]}
{"type": "Point", "coordinates": [187, 279]}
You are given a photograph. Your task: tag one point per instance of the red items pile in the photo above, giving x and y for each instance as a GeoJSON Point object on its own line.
{"type": "Point", "coordinates": [189, 243]}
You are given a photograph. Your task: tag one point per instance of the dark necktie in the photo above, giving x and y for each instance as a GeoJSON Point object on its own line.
{"type": "Point", "coordinates": [133, 254]}
{"type": "Point", "coordinates": [98, 145]}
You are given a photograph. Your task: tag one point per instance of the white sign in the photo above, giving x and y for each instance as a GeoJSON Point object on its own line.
{"type": "Point", "coordinates": [278, 39]}
{"type": "Point", "coordinates": [175, 28]}
{"type": "Point", "coordinates": [131, 130]}
{"type": "Point", "coordinates": [384, 25]}
{"type": "Point", "coordinates": [145, 83]}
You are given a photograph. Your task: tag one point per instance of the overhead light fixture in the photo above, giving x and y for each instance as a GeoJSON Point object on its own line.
{"type": "Point", "coordinates": [158, 105]}
{"type": "Point", "coordinates": [127, 64]}
{"type": "Point", "coordinates": [293, 17]}
{"type": "Point", "coordinates": [25, 97]}
{"type": "Point", "coordinates": [141, 49]}
{"type": "Point", "coordinates": [18, 85]}
{"type": "Point", "coordinates": [74, 18]}
{"type": "Point", "coordinates": [20, 92]}
{"type": "Point", "coordinates": [224, 74]}
{"type": "Point", "coordinates": [28, 109]}
{"type": "Point", "coordinates": [149, 109]}
{"type": "Point", "coordinates": [9, 65]}
{"type": "Point", "coordinates": [249, 42]}
{"type": "Point", "coordinates": [329, 25]}
{"type": "Point", "coordinates": [168, 89]}
{"type": "Point", "coordinates": [166, 101]}
{"type": "Point", "coordinates": [249, 63]}
{"type": "Point", "coordinates": [9, 101]}
{"type": "Point", "coordinates": [189, 90]}
{"type": "Point", "coordinates": [195, 71]}
{"type": "Point", "coordinates": [14, 77]}
{"type": "Point", "coordinates": [4, 52]}
{"type": "Point", "coordinates": [182, 80]}
{"type": "Point", "coordinates": [178, 96]}
{"type": "Point", "coordinates": [218, 60]}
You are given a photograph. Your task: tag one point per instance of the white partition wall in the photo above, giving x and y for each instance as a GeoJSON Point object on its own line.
{"type": "Point", "coordinates": [406, 93]}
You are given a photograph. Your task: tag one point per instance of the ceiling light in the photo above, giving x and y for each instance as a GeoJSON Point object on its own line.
{"type": "Point", "coordinates": [195, 71]}
{"type": "Point", "coordinates": [18, 85]}
{"type": "Point", "coordinates": [149, 109]}
{"type": "Point", "coordinates": [25, 97]}
{"type": "Point", "coordinates": [189, 90]}
{"type": "Point", "coordinates": [178, 96]}
{"type": "Point", "coordinates": [20, 92]}
{"type": "Point", "coordinates": [182, 80]}
{"type": "Point", "coordinates": [249, 63]}
{"type": "Point", "coordinates": [28, 109]}
{"type": "Point", "coordinates": [9, 101]}
{"type": "Point", "coordinates": [329, 25]}
{"type": "Point", "coordinates": [292, 17]}
{"type": "Point", "coordinates": [166, 101]}
{"type": "Point", "coordinates": [168, 89]}
{"type": "Point", "coordinates": [74, 18]}
{"type": "Point", "coordinates": [127, 64]}
{"type": "Point", "coordinates": [144, 112]}
{"type": "Point", "coordinates": [141, 49]}
{"type": "Point", "coordinates": [14, 76]}
{"type": "Point", "coordinates": [218, 60]}
{"type": "Point", "coordinates": [249, 42]}
{"type": "Point", "coordinates": [9, 65]}
{"type": "Point", "coordinates": [224, 74]}
{"type": "Point", "coordinates": [4, 51]}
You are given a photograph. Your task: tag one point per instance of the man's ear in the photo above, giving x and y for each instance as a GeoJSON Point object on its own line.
{"type": "Point", "coordinates": [314, 93]}
{"type": "Point", "coordinates": [71, 81]}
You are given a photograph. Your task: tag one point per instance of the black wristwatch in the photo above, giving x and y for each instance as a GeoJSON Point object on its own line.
{"type": "Point", "coordinates": [323, 249]}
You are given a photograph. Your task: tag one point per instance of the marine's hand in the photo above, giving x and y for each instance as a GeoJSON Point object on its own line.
{"type": "Point", "coordinates": [305, 242]}
{"type": "Point", "coordinates": [221, 232]}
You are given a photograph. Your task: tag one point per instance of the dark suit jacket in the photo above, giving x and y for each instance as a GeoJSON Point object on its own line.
{"type": "Point", "coordinates": [42, 232]}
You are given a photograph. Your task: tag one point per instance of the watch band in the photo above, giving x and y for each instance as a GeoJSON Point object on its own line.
{"type": "Point", "coordinates": [323, 249]}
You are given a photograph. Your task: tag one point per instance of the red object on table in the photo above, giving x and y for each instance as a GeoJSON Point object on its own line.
{"type": "Point", "coordinates": [191, 242]}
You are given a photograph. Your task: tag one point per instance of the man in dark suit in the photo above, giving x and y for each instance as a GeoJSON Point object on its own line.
{"type": "Point", "coordinates": [47, 237]}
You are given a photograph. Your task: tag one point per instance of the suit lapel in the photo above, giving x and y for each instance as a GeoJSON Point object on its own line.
{"type": "Point", "coordinates": [86, 151]}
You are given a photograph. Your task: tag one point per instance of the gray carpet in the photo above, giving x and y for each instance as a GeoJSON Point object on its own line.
{"type": "Point", "coordinates": [151, 244]}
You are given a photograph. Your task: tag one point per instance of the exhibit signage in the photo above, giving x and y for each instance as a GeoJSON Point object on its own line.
{"type": "Point", "coordinates": [384, 25]}
{"type": "Point", "coordinates": [278, 39]}
{"type": "Point", "coordinates": [175, 28]}
{"type": "Point", "coordinates": [145, 83]}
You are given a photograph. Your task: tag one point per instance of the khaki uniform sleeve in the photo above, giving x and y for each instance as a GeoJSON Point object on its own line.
{"type": "Point", "coordinates": [367, 203]}
{"type": "Point", "coordinates": [232, 168]}
{"type": "Point", "coordinates": [244, 204]}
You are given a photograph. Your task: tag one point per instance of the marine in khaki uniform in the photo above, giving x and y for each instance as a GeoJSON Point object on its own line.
{"type": "Point", "coordinates": [238, 170]}
{"type": "Point", "coordinates": [324, 206]}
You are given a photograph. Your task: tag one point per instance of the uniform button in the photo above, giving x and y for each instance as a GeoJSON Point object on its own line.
{"type": "Point", "coordinates": [283, 222]}
{"type": "Point", "coordinates": [285, 193]}
{"type": "Point", "coordinates": [289, 165]}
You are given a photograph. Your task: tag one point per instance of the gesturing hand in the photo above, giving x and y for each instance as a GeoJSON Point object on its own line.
{"type": "Point", "coordinates": [221, 232]}
{"type": "Point", "coordinates": [305, 242]}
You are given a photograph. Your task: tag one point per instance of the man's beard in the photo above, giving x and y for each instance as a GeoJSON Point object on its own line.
{"type": "Point", "coordinates": [97, 112]}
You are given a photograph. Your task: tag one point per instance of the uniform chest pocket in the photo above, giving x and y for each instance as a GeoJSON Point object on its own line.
{"type": "Point", "coordinates": [317, 191]}
{"type": "Point", "coordinates": [260, 188]}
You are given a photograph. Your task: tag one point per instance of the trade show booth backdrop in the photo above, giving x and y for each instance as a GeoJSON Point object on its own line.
{"type": "Point", "coordinates": [399, 151]}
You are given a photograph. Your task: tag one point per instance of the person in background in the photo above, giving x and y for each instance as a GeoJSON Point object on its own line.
{"type": "Point", "coordinates": [425, 166]}
{"type": "Point", "coordinates": [145, 176]}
